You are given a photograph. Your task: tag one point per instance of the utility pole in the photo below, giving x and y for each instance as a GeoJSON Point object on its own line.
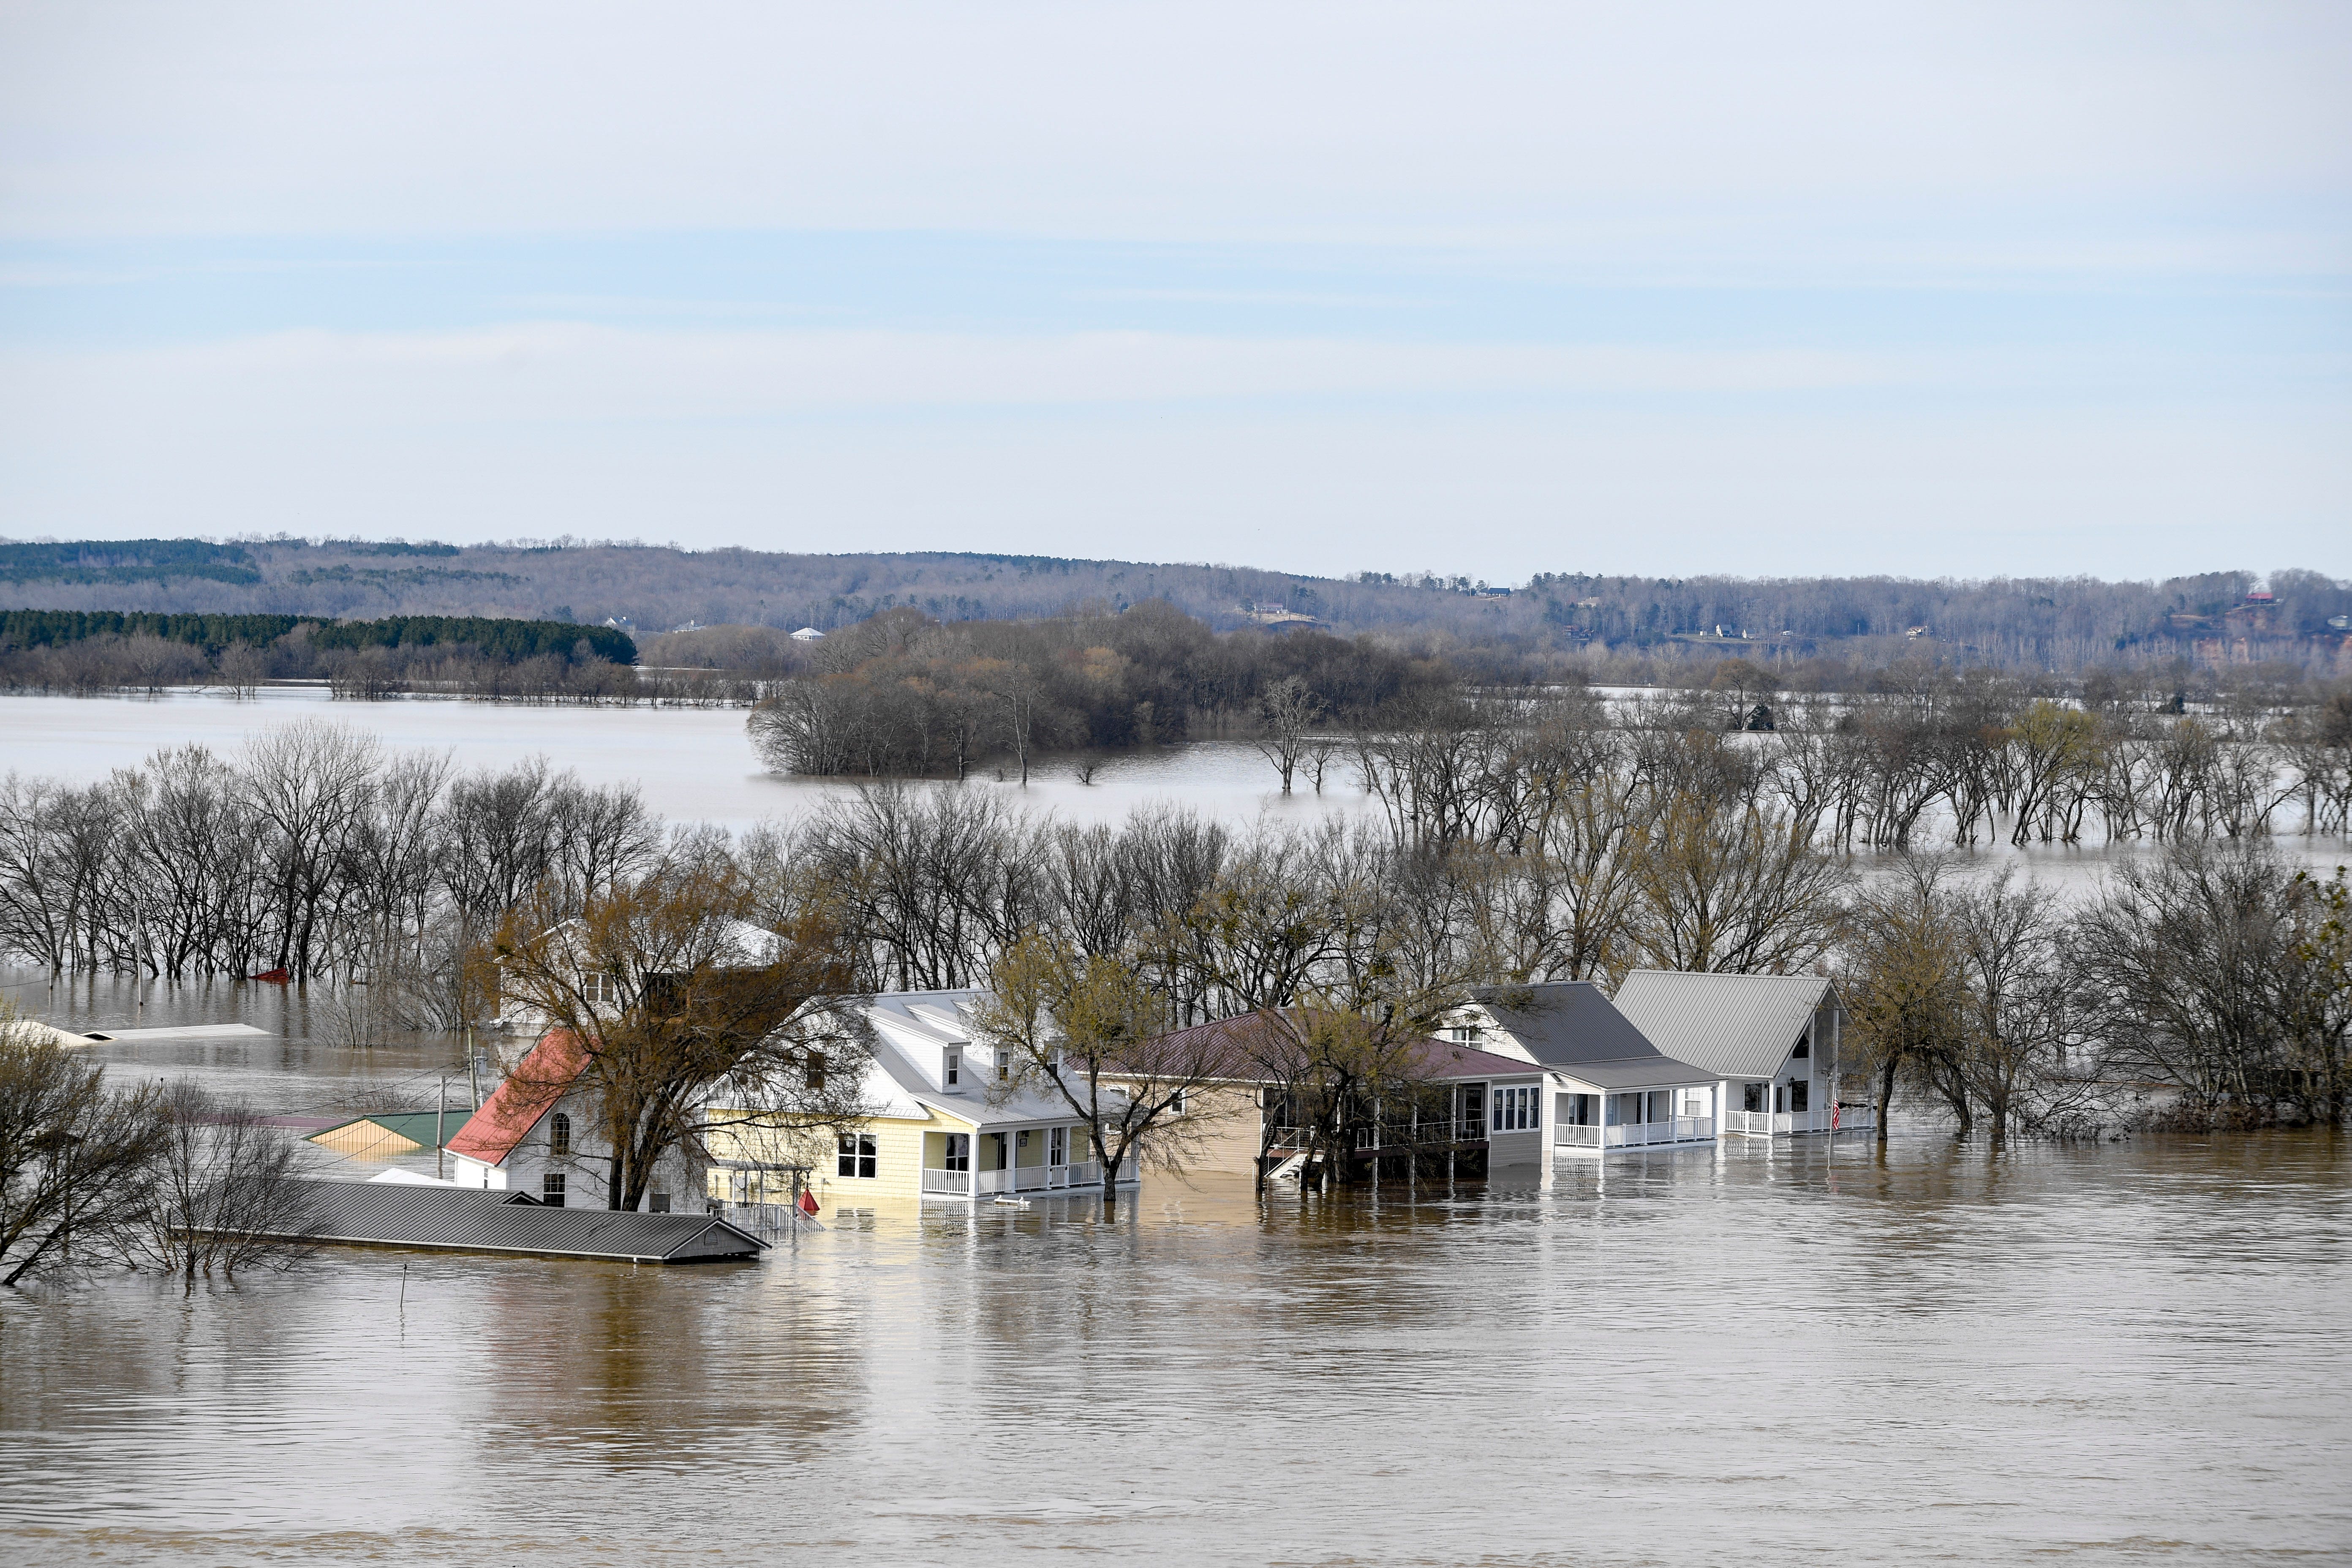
{"type": "Point", "coordinates": [441, 1129]}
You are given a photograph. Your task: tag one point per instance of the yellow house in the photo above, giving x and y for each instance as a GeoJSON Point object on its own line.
{"type": "Point", "coordinates": [943, 1123]}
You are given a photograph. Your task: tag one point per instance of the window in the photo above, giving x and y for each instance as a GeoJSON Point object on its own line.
{"type": "Point", "coordinates": [600, 990]}
{"type": "Point", "coordinates": [959, 1154]}
{"type": "Point", "coordinates": [858, 1158]}
{"type": "Point", "coordinates": [1580, 1109]}
{"type": "Point", "coordinates": [1176, 1103]}
{"type": "Point", "coordinates": [813, 1069]}
{"type": "Point", "coordinates": [1804, 1049]}
{"type": "Point", "coordinates": [955, 1069]}
{"type": "Point", "coordinates": [559, 1135]}
{"type": "Point", "coordinates": [659, 1203]}
{"type": "Point", "coordinates": [1057, 1146]}
{"type": "Point", "coordinates": [1474, 1110]}
{"type": "Point", "coordinates": [1694, 1102]}
{"type": "Point", "coordinates": [551, 1189]}
{"type": "Point", "coordinates": [1751, 1096]}
{"type": "Point", "coordinates": [1800, 1095]}
{"type": "Point", "coordinates": [1003, 1066]}
{"type": "Point", "coordinates": [1467, 1036]}
{"type": "Point", "coordinates": [1515, 1110]}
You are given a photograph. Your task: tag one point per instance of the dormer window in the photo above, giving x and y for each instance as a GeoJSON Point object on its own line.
{"type": "Point", "coordinates": [954, 1072]}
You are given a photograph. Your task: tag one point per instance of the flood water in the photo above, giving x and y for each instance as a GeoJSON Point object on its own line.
{"type": "Point", "coordinates": [2128, 1351]}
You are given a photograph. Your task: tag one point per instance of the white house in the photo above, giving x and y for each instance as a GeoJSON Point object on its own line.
{"type": "Point", "coordinates": [1606, 1086]}
{"type": "Point", "coordinates": [943, 1118]}
{"type": "Point", "coordinates": [1769, 1040]}
{"type": "Point", "coordinates": [539, 1133]}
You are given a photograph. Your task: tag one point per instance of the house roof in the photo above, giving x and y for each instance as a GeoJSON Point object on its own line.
{"type": "Point", "coordinates": [423, 1129]}
{"type": "Point", "coordinates": [1570, 1027]}
{"type": "Point", "coordinates": [1244, 1039]}
{"type": "Point", "coordinates": [529, 1093]}
{"type": "Point", "coordinates": [1735, 1025]}
{"type": "Point", "coordinates": [462, 1219]}
{"type": "Point", "coordinates": [912, 1031]}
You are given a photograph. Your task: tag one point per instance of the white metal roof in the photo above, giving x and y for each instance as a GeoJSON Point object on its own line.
{"type": "Point", "coordinates": [1735, 1025]}
{"type": "Point", "coordinates": [913, 1030]}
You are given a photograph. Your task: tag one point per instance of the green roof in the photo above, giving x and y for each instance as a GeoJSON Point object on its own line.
{"type": "Point", "coordinates": [416, 1126]}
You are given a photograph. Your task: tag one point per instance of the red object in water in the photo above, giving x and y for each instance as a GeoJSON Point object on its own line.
{"type": "Point", "coordinates": [808, 1202]}
{"type": "Point", "coordinates": [275, 977]}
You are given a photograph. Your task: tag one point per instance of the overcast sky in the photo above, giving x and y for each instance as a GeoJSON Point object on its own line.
{"type": "Point", "coordinates": [1972, 290]}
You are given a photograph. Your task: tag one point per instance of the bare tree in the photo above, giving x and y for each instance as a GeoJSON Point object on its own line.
{"type": "Point", "coordinates": [1285, 709]}
{"type": "Point", "coordinates": [676, 1006]}
{"type": "Point", "coordinates": [1090, 1030]}
{"type": "Point", "coordinates": [77, 1158]}
{"type": "Point", "coordinates": [227, 1195]}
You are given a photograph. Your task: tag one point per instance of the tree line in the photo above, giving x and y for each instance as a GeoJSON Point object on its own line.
{"type": "Point", "coordinates": [1561, 837]}
{"type": "Point", "coordinates": [903, 695]}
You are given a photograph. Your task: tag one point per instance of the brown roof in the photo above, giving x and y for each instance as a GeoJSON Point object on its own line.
{"type": "Point", "coordinates": [515, 1107]}
{"type": "Point", "coordinates": [1243, 1040]}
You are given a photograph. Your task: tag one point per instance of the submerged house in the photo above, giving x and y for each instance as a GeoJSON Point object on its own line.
{"type": "Point", "coordinates": [1606, 1085]}
{"type": "Point", "coordinates": [540, 1134]}
{"type": "Point", "coordinates": [1472, 1109]}
{"type": "Point", "coordinates": [944, 1119]}
{"type": "Point", "coordinates": [1770, 1041]}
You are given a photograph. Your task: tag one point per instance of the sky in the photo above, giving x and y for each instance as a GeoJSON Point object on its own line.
{"type": "Point", "coordinates": [1490, 290]}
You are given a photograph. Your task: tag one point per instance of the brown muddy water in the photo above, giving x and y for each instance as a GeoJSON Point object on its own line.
{"type": "Point", "coordinates": [2126, 1353]}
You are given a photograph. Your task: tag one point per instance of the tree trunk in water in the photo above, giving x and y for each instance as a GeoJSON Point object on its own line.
{"type": "Point", "coordinates": [1885, 1098]}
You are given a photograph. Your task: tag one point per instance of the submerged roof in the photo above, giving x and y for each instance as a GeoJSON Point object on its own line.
{"type": "Point", "coordinates": [1735, 1025]}
{"type": "Point", "coordinates": [473, 1219]}
{"type": "Point", "coordinates": [422, 1129]}
{"type": "Point", "coordinates": [1570, 1027]}
{"type": "Point", "coordinates": [530, 1093]}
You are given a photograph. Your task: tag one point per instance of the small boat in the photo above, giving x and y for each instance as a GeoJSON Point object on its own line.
{"type": "Point", "coordinates": [272, 976]}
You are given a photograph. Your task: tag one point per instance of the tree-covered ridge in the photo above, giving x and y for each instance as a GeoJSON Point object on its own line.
{"type": "Point", "coordinates": [511, 640]}
{"type": "Point", "coordinates": [127, 561]}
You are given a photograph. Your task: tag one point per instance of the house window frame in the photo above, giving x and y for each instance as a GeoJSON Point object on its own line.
{"type": "Point", "coordinates": [1514, 1107]}
{"type": "Point", "coordinates": [551, 1189]}
{"type": "Point", "coordinates": [559, 1136]}
{"type": "Point", "coordinates": [1057, 1146]}
{"type": "Point", "coordinates": [951, 1074]}
{"type": "Point", "coordinates": [856, 1157]}
{"type": "Point", "coordinates": [957, 1153]}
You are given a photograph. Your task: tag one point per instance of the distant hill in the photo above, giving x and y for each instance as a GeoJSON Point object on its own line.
{"type": "Point", "coordinates": [2063, 624]}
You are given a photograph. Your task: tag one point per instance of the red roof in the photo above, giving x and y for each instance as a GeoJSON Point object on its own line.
{"type": "Point", "coordinates": [529, 1091]}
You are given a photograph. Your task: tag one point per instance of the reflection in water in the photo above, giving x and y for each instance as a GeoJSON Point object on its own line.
{"type": "Point", "coordinates": [1757, 1350]}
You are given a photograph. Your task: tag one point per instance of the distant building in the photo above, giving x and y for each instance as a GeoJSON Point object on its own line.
{"type": "Point", "coordinates": [808, 634]}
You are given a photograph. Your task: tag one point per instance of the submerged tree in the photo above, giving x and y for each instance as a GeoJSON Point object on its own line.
{"type": "Point", "coordinates": [78, 1160]}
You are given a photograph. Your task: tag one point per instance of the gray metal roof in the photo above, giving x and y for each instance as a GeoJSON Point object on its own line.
{"type": "Point", "coordinates": [1570, 1027]}
{"type": "Point", "coordinates": [476, 1219]}
{"type": "Point", "coordinates": [1735, 1025]}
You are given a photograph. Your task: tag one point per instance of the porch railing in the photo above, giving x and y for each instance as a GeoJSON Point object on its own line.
{"type": "Point", "coordinates": [1396, 1135]}
{"type": "Point", "coordinates": [1780, 1124]}
{"type": "Point", "coordinates": [1635, 1134]}
{"type": "Point", "coordinates": [1015, 1179]}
